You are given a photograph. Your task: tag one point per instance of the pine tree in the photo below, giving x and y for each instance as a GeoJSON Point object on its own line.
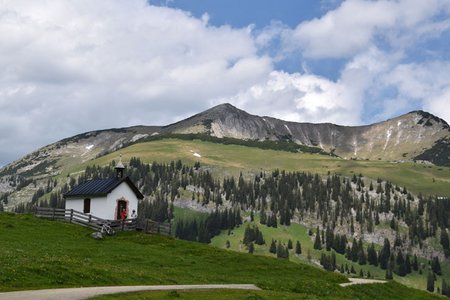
{"type": "Point", "coordinates": [372, 255]}
{"type": "Point", "coordinates": [362, 259]}
{"type": "Point", "coordinates": [259, 239]}
{"type": "Point", "coordinates": [388, 275]}
{"type": "Point", "coordinates": [445, 242]}
{"type": "Point", "coordinates": [329, 238]}
{"type": "Point", "coordinates": [248, 236]}
{"type": "Point", "coordinates": [354, 251]}
{"type": "Point", "coordinates": [280, 250]}
{"type": "Point", "coordinates": [317, 241]}
{"type": "Point", "coordinates": [430, 282]}
{"type": "Point", "coordinates": [273, 247]}
{"type": "Point", "coordinates": [400, 269]}
{"type": "Point", "coordinates": [289, 245]}
{"type": "Point", "coordinates": [408, 266]}
{"type": "Point", "coordinates": [298, 248]}
{"type": "Point", "coordinates": [436, 266]}
{"type": "Point", "coordinates": [262, 217]}
{"type": "Point", "coordinates": [251, 248]}
{"type": "Point", "coordinates": [333, 261]}
{"type": "Point", "coordinates": [384, 254]}
{"type": "Point", "coordinates": [415, 264]}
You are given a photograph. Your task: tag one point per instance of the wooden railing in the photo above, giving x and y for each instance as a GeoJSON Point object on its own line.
{"type": "Point", "coordinates": [76, 217]}
{"type": "Point", "coordinates": [149, 226]}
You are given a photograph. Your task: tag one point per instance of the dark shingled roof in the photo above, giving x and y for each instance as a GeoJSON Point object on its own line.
{"type": "Point", "coordinates": [101, 187]}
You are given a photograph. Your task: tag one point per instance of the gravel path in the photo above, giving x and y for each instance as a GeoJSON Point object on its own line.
{"type": "Point", "coordinates": [359, 281]}
{"type": "Point", "coordinates": [84, 293]}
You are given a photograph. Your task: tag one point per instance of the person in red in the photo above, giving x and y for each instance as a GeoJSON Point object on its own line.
{"type": "Point", "coordinates": [123, 214]}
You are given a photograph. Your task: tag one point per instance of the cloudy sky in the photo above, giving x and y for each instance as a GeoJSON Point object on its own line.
{"type": "Point", "coordinates": [67, 67]}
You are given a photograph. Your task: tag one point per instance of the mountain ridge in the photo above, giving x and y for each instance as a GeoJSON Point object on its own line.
{"type": "Point", "coordinates": [416, 131]}
{"type": "Point", "coordinates": [417, 135]}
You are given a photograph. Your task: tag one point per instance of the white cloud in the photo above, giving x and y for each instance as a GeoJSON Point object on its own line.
{"type": "Point", "coordinates": [419, 80]}
{"type": "Point", "coordinates": [428, 83]}
{"type": "Point", "coordinates": [357, 24]}
{"type": "Point", "coordinates": [301, 98]}
{"type": "Point", "coordinates": [440, 104]}
{"type": "Point", "coordinates": [73, 66]}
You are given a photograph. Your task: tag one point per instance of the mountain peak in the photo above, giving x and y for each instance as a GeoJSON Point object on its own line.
{"type": "Point", "coordinates": [428, 119]}
{"type": "Point", "coordinates": [223, 108]}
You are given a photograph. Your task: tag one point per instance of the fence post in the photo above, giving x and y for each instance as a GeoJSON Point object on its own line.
{"type": "Point", "coordinates": [53, 214]}
{"type": "Point", "coordinates": [71, 215]}
{"type": "Point", "coordinates": [90, 218]}
{"type": "Point", "coordinates": [123, 224]}
{"type": "Point", "coordinates": [170, 228]}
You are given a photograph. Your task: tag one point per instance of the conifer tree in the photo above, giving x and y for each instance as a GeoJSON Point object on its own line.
{"type": "Point", "coordinates": [430, 282]}
{"type": "Point", "coordinates": [415, 264]}
{"type": "Point", "coordinates": [289, 244]}
{"type": "Point", "coordinates": [298, 248]}
{"type": "Point", "coordinates": [333, 260]}
{"type": "Point", "coordinates": [317, 241]}
{"type": "Point", "coordinates": [408, 266]}
{"type": "Point", "coordinates": [445, 242]}
{"type": "Point", "coordinates": [388, 275]}
{"type": "Point", "coordinates": [400, 269]}
{"type": "Point", "coordinates": [251, 248]}
{"type": "Point", "coordinates": [436, 266]}
{"type": "Point", "coordinates": [273, 247]}
{"type": "Point", "coordinates": [384, 254]}
{"type": "Point", "coordinates": [329, 238]}
{"type": "Point", "coordinates": [362, 259]}
{"type": "Point", "coordinates": [372, 255]}
{"type": "Point", "coordinates": [354, 251]}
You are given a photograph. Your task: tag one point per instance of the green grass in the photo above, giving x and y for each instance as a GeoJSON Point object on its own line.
{"type": "Point", "coordinates": [36, 254]}
{"type": "Point", "coordinates": [213, 294]}
{"type": "Point", "coordinates": [226, 160]}
{"type": "Point", "coordinates": [299, 232]}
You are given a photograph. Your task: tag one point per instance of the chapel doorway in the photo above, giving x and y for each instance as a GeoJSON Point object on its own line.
{"type": "Point", "coordinates": [121, 205]}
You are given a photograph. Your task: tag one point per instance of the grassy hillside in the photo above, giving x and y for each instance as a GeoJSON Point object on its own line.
{"type": "Point", "coordinates": [298, 232]}
{"type": "Point", "coordinates": [39, 253]}
{"type": "Point", "coordinates": [232, 159]}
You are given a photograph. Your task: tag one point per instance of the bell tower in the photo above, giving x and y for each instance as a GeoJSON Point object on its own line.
{"type": "Point", "coordinates": [119, 168]}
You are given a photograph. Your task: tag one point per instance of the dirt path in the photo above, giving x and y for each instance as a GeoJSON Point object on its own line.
{"type": "Point", "coordinates": [359, 281]}
{"type": "Point", "coordinates": [84, 293]}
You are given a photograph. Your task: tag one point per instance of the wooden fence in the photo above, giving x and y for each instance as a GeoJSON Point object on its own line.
{"type": "Point", "coordinates": [76, 217]}
{"type": "Point", "coordinates": [149, 226]}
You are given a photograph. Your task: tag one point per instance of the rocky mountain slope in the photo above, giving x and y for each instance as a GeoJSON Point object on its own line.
{"type": "Point", "coordinates": [406, 137]}
{"type": "Point", "coordinates": [414, 136]}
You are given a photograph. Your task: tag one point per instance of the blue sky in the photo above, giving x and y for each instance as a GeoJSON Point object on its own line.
{"type": "Point", "coordinates": [68, 67]}
{"type": "Point", "coordinates": [261, 15]}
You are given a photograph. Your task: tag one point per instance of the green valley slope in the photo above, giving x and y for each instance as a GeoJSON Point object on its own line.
{"type": "Point", "coordinates": [39, 254]}
{"type": "Point", "coordinates": [232, 159]}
